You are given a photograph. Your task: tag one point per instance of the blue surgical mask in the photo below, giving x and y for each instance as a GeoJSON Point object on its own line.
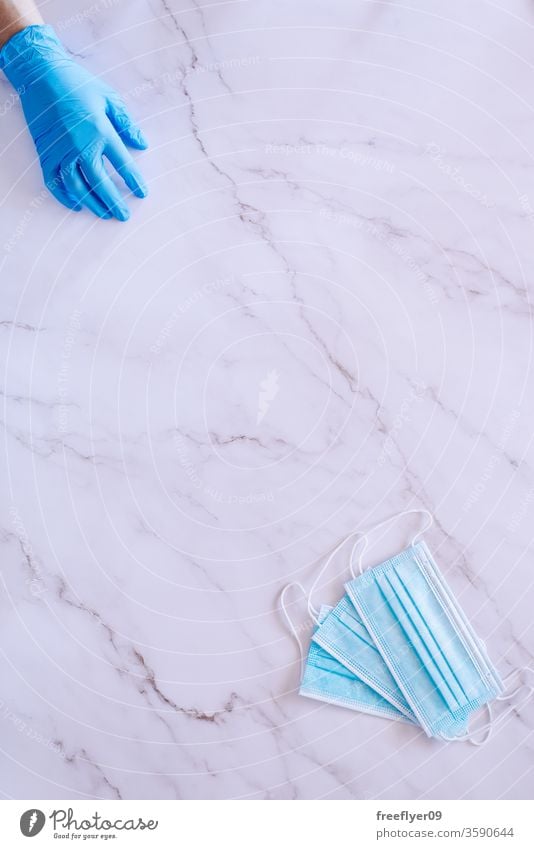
{"type": "Point", "coordinates": [344, 636]}
{"type": "Point", "coordinates": [436, 659]}
{"type": "Point", "coordinates": [401, 617]}
{"type": "Point", "coordinates": [328, 680]}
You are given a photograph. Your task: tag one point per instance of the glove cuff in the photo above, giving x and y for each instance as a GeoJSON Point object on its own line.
{"type": "Point", "coordinates": [28, 48]}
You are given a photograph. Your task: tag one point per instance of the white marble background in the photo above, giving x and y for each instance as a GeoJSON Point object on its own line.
{"type": "Point", "coordinates": [321, 315]}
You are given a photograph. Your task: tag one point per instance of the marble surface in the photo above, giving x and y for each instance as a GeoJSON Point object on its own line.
{"type": "Point", "coordinates": [321, 315]}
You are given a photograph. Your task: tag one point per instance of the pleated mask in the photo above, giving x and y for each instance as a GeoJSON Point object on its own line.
{"type": "Point", "coordinates": [326, 679]}
{"type": "Point", "coordinates": [436, 659]}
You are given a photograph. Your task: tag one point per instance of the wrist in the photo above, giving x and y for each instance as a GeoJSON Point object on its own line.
{"type": "Point", "coordinates": [29, 47]}
{"type": "Point", "coordinates": [16, 17]}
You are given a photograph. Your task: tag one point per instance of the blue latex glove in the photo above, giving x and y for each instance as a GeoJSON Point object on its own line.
{"type": "Point", "coordinates": [76, 120]}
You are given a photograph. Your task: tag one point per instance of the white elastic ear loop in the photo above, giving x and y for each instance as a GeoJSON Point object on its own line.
{"type": "Point", "coordinates": [311, 609]}
{"type": "Point", "coordinates": [365, 540]}
{"type": "Point", "coordinates": [522, 671]}
{"type": "Point", "coordinates": [289, 621]}
{"type": "Point", "coordinates": [488, 728]}
{"type": "Point", "coordinates": [365, 534]}
{"type": "Point", "coordinates": [428, 524]}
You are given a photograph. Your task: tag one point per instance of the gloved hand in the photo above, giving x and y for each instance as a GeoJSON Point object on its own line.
{"type": "Point", "coordinates": [75, 120]}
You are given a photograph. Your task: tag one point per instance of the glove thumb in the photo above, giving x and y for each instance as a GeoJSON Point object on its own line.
{"type": "Point", "coordinates": [128, 131]}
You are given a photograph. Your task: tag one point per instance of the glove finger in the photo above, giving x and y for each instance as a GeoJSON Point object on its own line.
{"type": "Point", "coordinates": [53, 179]}
{"type": "Point", "coordinates": [77, 187]}
{"type": "Point", "coordinates": [125, 126]}
{"type": "Point", "coordinates": [103, 186]}
{"type": "Point", "coordinates": [126, 167]}
{"type": "Point", "coordinates": [56, 188]}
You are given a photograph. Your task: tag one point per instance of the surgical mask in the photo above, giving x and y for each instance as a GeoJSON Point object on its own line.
{"type": "Point", "coordinates": [459, 677]}
{"type": "Point", "coordinates": [435, 657]}
{"type": "Point", "coordinates": [343, 665]}
{"type": "Point", "coordinates": [344, 636]}
{"type": "Point", "coordinates": [328, 680]}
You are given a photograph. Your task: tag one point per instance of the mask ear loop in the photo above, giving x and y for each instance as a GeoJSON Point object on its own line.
{"type": "Point", "coordinates": [292, 629]}
{"type": "Point", "coordinates": [314, 613]}
{"type": "Point", "coordinates": [365, 535]}
{"type": "Point", "coordinates": [428, 524]}
{"type": "Point", "coordinates": [506, 696]}
{"type": "Point", "coordinates": [365, 539]}
{"type": "Point", "coordinates": [488, 728]}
